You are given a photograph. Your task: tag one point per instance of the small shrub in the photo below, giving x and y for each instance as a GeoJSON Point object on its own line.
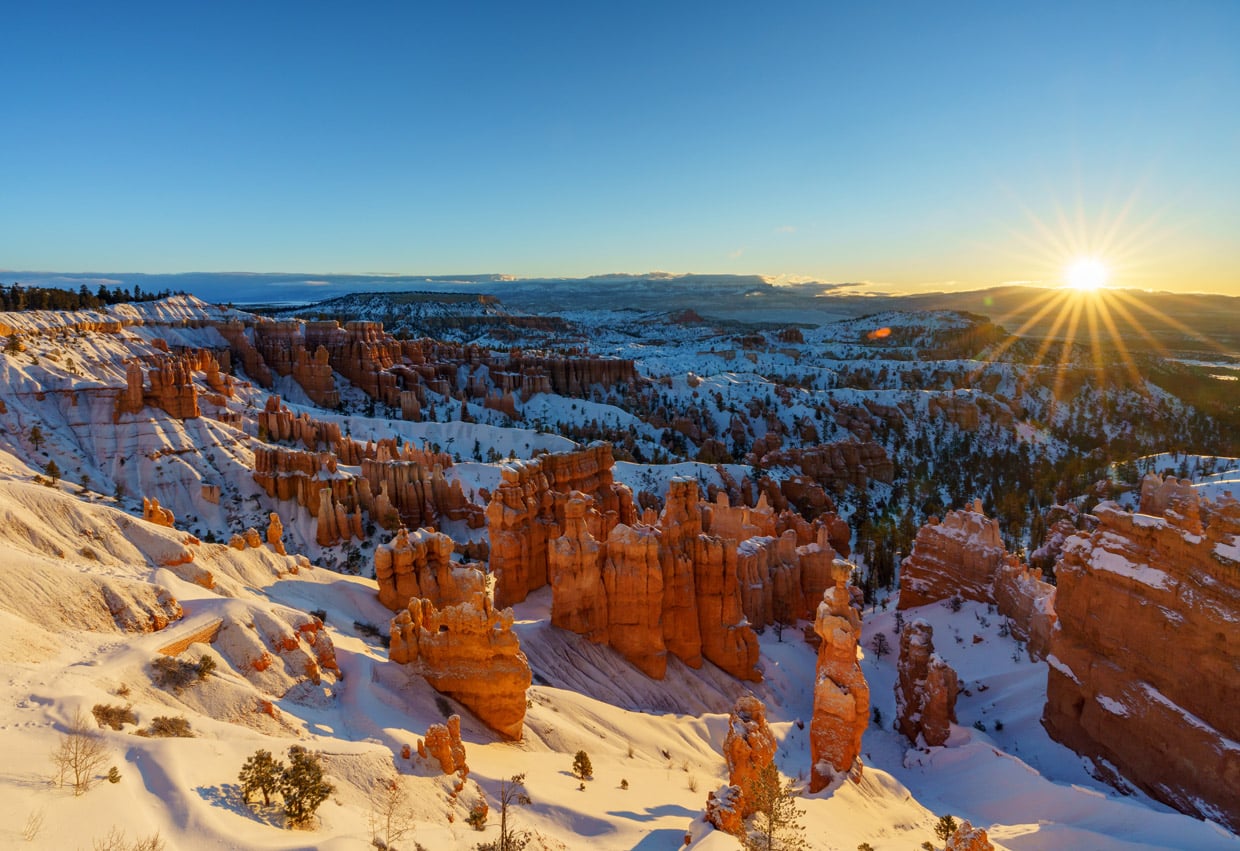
{"type": "Point", "coordinates": [865, 846]}
{"type": "Point", "coordinates": [123, 691]}
{"type": "Point", "coordinates": [441, 703]}
{"type": "Point", "coordinates": [998, 726]}
{"type": "Point", "coordinates": [365, 628]}
{"type": "Point", "coordinates": [477, 818]}
{"type": "Point", "coordinates": [582, 769]}
{"type": "Point", "coordinates": [206, 667]}
{"type": "Point", "coordinates": [164, 727]}
{"type": "Point", "coordinates": [173, 673]}
{"type": "Point", "coordinates": [321, 614]}
{"type": "Point", "coordinates": [978, 725]}
{"type": "Point", "coordinates": [692, 783]}
{"type": "Point", "coordinates": [113, 716]}
{"type": "Point", "coordinates": [624, 784]}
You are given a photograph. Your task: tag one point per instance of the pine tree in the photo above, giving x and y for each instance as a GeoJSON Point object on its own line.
{"type": "Point", "coordinates": [53, 471]}
{"type": "Point", "coordinates": [775, 825]}
{"type": "Point", "coordinates": [945, 828]}
{"type": "Point", "coordinates": [36, 437]}
{"type": "Point", "coordinates": [302, 786]}
{"type": "Point", "coordinates": [261, 773]}
{"type": "Point", "coordinates": [582, 767]}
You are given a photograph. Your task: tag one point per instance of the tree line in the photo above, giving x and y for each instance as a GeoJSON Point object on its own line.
{"type": "Point", "coordinates": [18, 297]}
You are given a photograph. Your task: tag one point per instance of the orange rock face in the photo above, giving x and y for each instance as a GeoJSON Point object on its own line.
{"type": "Point", "coordinates": [727, 639]}
{"type": "Point", "coordinates": [579, 602]}
{"type": "Point", "coordinates": [527, 512]}
{"type": "Point", "coordinates": [469, 652]}
{"type": "Point", "coordinates": [419, 565]}
{"type": "Point", "coordinates": [681, 523]}
{"type": "Point", "coordinates": [443, 744]}
{"type": "Point", "coordinates": [275, 534]}
{"type": "Point", "coordinates": [749, 747]}
{"type": "Point", "coordinates": [926, 688]}
{"type": "Point", "coordinates": [1143, 667]}
{"type": "Point", "coordinates": [723, 809]}
{"type": "Point", "coordinates": [841, 694]}
{"type": "Point", "coordinates": [153, 512]}
{"type": "Point", "coordinates": [633, 583]}
{"type": "Point", "coordinates": [969, 838]}
{"type": "Point", "coordinates": [964, 555]}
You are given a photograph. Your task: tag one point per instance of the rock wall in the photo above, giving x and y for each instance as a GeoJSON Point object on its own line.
{"type": "Point", "coordinates": [964, 555]}
{"type": "Point", "coordinates": [527, 512]}
{"type": "Point", "coordinates": [925, 688]}
{"type": "Point", "coordinates": [841, 694]}
{"type": "Point", "coordinates": [1145, 664]}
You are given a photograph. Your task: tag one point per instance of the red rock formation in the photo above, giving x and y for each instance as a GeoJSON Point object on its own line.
{"type": "Point", "coordinates": [749, 747]}
{"type": "Point", "coordinates": [526, 512]}
{"type": "Point", "coordinates": [727, 639]}
{"type": "Point", "coordinates": [969, 838]}
{"type": "Point", "coordinates": [723, 809]}
{"type": "Point", "coordinates": [275, 534]}
{"type": "Point", "coordinates": [632, 578]}
{"type": "Point", "coordinates": [469, 652]}
{"type": "Point", "coordinates": [314, 374]}
{"type": "Point", "coordinates": [832, 465]}
{"type": "Point", "coordinates": [964, 555]}
{"type": "Point", "coordinates": [1143, 666]}
{"type": "Point", "coordinates": [152, 512]}
{"type": "Point", "coordinates": [841, 695]}
{"type": "Point", "coordinates": [211, 494]}
{"type": "Point", "coordinates": [444, 745]}
{"type": "Point", "coordinates": [681, 523]}
{"type": "Point", "coordinates": [956, 408]}
{"type": "Point", "coordinates": [960, 555]}
{"type": "Point", "coordinates": [926, 688]}
{"type": "Point", "coordinates": [420, 566]}
{"type": "Point", "coordinates": [578, 602]}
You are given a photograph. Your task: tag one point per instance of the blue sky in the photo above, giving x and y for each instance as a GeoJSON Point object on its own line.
{"type": "Point", "coordinates": [914, 145]}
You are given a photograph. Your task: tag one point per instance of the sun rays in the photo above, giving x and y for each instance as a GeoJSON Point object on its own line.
{"type": "Point", "coordinates": [1088, 318]}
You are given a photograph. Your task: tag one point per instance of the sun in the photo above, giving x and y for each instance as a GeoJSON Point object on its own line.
{"type": "Point", "coordinates": [1086, 273]}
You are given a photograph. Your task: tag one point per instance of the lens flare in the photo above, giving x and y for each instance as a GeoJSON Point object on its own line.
{"type": "Point", "coordinates": [1086, 273]}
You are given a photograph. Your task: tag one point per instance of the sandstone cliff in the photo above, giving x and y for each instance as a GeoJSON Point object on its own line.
{"type": "Point", "coordinates": [1145, 665]}
{"type": "Point", "coordinates": [964, 555]}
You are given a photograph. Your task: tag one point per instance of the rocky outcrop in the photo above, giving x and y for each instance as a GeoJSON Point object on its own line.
{"type": "Point", "coordinates": [469, 652]}
{"type": "Point", "coordinates": [963, 555]}
{"type": "Point", "coordinates": [420, 566]}
{"type": "Point", "coordinates": [579, 602]}
{"type": "Point", "coordinates": [153, 512]}
{"type": "Point", "coordinates": [925, 689]}
{"type": "Point", "coordinates": [968, 838]}
{"type": "Point", "coordinates": [172, 385]}
{"type": "Point", "coordinates": [1144, 664]}
{"type": "Point", "coordinates": [748, 748]}
{"type": "Point", "coordinates": [680, 524]}
{"type": "Point", "coordinates": [832, 465]}
{"type": "Point", "coordinates": [723, 809]}
{"type": "Point", "coordinates": [632, 578]}
{"type": "Point", "coordinates": [727, 638]}
{"type": "Point", "coordinates": [275, 534]}
{"type": "Point", "coordinates": [527, 512]}
{"type": "Point", "coordinates": [957, 556]}
{"type": "Point", "coordinates": [443, 744]}
{"type": "Point", "coordinates": [841, 694]}
{"type": "Point", "coordinates": [314, 374]}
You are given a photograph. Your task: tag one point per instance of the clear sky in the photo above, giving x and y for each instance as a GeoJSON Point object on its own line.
{"type": "Point", "coordinates": [916, 145]}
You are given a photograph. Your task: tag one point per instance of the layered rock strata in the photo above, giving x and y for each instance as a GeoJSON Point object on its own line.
{"type": "Point", "coordinates": [963, 555]}
{"type": "Point", "coordinates": [419, 565]}
{"type": "Point", "coordinates": [1145, 665]}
